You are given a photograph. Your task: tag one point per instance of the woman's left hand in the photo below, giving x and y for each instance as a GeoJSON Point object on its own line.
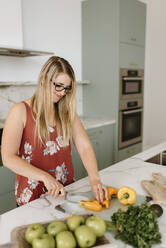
{"type": "Point", "coordinates": [99, 191]}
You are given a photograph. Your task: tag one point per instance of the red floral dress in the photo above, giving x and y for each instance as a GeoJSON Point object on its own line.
{"type": "Point", "coordinates": [51, 157]}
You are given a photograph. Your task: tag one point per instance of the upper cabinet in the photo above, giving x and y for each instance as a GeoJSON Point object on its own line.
{"type": "Point", "coordinates": [132, 22]}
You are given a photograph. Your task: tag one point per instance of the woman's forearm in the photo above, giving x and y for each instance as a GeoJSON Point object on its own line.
{"type": "Point", "coordinates": [23, 168]}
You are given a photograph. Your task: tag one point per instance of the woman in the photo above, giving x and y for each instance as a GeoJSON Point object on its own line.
{"type": "Point", "coordinates": [36, 137]}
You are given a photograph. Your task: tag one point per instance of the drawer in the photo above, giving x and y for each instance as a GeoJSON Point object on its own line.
{"type": "Point", "coordinates": [129, 151]}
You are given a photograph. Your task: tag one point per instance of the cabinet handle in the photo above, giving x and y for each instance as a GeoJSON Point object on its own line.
{"type": "Point", "coordinates": [133, 38]}
{"type": "Point", "coordinates": [132, 63]}
{"type": "Point", "coordinates": [91, 134]}
{"type": "Point", "coordinates": [131, 151]}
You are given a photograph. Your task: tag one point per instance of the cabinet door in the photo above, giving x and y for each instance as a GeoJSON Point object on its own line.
{"type": "Point", "coordinates": [107, 146]}
{"type": "Point", "coordinates": [96, 143]}
{"type": "Point", "coordinates": [131, 56]}
{"type": "Point", "coordinates": [7, 202]}
{"type": "Point", "coordinates": [102, 140]}
{"type": "Point", "coordinates": [79, 169]}
{"type": "Point", "coordinates": [132, 22]}
{"type": "Point", "coordinates": [7, 180]}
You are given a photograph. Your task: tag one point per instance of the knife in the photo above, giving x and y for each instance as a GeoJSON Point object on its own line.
{"type": "Point", "coordinates": [59, 208]}
{"type": "Point", "coordinates": [68, 198]}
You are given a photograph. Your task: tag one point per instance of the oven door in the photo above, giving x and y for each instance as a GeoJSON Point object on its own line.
{"type": "Point", "coordinates": [130, 127]}
{"type": "Point", "coordinates": [131, 87]}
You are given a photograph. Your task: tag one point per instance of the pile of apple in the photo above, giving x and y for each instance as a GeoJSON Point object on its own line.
{"type": "Point", "coordinates": [75, 232]}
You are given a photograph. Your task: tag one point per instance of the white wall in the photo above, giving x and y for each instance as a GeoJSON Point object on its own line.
{"type": "Point", "coordinates": [54, 25]}
{"type": "Point", "coordinates": [50, 25]}
{"type": "Point", "coordinates": [10, 23]}
{"type": "Point", "coordinates": [155, 75]}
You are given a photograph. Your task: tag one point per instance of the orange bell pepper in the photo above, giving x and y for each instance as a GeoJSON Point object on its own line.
{"type": "Point", "coordinates": [111, 191]}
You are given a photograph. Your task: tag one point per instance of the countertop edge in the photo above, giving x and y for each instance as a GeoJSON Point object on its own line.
{"type": "Point", "coordinates": [33, 83]}
{"type": "Point", "coordinates": [88, 124]}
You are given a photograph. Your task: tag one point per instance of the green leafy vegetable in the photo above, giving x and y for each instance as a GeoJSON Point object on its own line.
{"type": "Point", "coordinates": [137, 226]}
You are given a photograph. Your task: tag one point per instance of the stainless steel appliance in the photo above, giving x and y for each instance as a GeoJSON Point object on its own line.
{"type": "Point", "coordinates": [130, 122]}
{"type": "Point", "coordinates": [159, 158]}
{"type": "Point", "coordinates": [131, 83]}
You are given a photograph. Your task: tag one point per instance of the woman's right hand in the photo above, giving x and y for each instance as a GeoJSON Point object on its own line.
{"type": "Point", "coordinates": [54, 188]}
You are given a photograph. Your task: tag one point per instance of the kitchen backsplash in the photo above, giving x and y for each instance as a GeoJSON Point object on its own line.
{"type": "Point", "coordinates": [11, 92]}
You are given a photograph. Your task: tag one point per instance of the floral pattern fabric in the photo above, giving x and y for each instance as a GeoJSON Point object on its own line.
{"type": "Point", "coordinates": [51, 157]}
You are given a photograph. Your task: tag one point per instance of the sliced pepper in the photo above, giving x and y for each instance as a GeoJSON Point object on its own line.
{"type": "Point", "coordinates": [106, 203]}
{"type": "Point", "coordinates": [91, 205]}
{"type": "Point", "coordinates": [111, 191]}
{"type": "Point", "coordinates": [127, 196]}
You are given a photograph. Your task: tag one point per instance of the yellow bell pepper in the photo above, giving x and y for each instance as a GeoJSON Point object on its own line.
{"type": "Point", "coordinates": [127, 196]}
{"type": "Point", "coordinates": [91, 205]}
{"type": "Point", "coordinates": [106, 203]}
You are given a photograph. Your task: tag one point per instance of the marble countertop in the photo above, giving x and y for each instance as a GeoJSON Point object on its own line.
{"type": "Point", "coordinates": [93, 122]}
{"type": "Point", "coordinates": [128, 172]}
{"type": "Point", "coordinates": [32, 83]}
{"type": "Point", "coordinates": [87, 122]}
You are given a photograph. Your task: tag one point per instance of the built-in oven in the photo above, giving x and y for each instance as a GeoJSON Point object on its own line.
{"type": "Point", "coordinates": [131, 83]}
{"type": "Point", "coordinates": [130, 122]}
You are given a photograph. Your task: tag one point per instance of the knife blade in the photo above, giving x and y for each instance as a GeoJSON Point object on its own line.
{"type": "Point", "coordinates": [59, 208]}
{"type": "Point", "coordinates": [71, 197]}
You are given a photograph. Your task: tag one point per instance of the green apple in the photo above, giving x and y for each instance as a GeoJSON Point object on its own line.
{"type": "Point", "coordinates": [34, 231]}
{"type": "Point", "coordinates": [55, 227]}
{"type": "Point", "coordinates": [74, 221]}
{"type": "Point", "coordinates": [97, 224]}
{"type": "Point", "coordinates": [85, 236]}
{"type": "Point", "coordinates": [45, 241]}
{"type": "Point", "coordinates": [65, 239]}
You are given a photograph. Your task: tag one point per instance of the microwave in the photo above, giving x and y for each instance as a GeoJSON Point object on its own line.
{"type": "Point", "coordinates": [131, 83]}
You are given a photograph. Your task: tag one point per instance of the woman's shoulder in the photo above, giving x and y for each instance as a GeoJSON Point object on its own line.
{"type": "Point", "coordinates": [18, 111]}
{"type": "Point", "coordinates": [18, 107]}
{"type": "Point", "coordinates": [21, 106]}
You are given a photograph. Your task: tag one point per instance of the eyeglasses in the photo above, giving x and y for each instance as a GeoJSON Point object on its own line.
{"type": "Point", "coordinates": [59, 88]}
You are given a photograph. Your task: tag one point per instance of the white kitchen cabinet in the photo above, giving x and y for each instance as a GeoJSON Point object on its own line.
{"type": "Point", "coordinates": [102, 139]}
{"type": "Point", "coordinates": [132, 22]}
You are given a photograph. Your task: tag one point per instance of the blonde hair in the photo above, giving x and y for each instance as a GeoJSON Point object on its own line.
{"type": "Point", "coordinates": [42, 103]}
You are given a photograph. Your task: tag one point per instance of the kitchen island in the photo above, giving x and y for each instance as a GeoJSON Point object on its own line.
{"type": "Point", "coordinates": [125, 173]}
